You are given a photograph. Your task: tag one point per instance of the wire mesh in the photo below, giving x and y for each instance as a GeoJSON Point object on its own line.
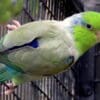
{"type": "Point", "coordinates": [59, 87]}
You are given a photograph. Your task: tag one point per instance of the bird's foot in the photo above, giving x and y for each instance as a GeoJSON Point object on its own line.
{"type": "Point", "coordinates": [9, 90]}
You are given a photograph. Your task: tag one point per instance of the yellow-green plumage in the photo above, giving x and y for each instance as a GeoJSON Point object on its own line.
{"type": "Point", "coordinates": [86, 37]}
{"type": "Point", "coordinates": [9, 9]}
{"type": "Point", "coordinates": [44, 48]}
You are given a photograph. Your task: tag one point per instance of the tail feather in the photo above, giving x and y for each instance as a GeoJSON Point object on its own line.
{"type": "Point", "coordinates": [6, 73]}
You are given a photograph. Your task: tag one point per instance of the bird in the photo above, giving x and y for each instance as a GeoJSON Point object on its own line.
{"type": "Point", "coordinates": [46, 47]}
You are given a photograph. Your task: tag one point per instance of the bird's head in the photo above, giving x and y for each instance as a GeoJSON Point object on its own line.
{"type": "Point", "coordinates": [86, 30]}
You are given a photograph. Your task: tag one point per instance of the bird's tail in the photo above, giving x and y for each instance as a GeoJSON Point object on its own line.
{"type": "Point", "coordinates": [7, 69]}
{"type": "Point", "coordinates": [6, 73]}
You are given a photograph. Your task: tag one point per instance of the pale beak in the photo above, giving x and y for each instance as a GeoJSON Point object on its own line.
{"type": "Point", "coordinates": [98, 35]}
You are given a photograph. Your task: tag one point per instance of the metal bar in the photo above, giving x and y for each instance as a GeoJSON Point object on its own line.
{"type": "Point", "coordinates": [15, 95]}
{"type": "Point", "coordinates": [48, 9]}
{"type": "Point", "coordinates": [34, 85]}
{"type": "Point", "coordinates": [28, 14]}
{"type": "Point", "coordinates": [66, 89]}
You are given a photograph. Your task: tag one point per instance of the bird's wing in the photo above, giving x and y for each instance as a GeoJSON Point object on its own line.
{"type": "Point", "coordinates": [6, 73]}
{"type": "Point", "coordinates": [26, 33]}
{"type": "Point", "coordinates": [37, 48]}
{"type": "Point", "coordinates": [27, 36]}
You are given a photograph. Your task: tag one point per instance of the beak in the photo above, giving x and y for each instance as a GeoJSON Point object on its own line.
{"type": "Point", "coordinates": [98, 35]}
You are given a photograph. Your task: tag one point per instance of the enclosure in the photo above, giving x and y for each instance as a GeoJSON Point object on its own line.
{"type": "Point", "coordinates": [67, 85]}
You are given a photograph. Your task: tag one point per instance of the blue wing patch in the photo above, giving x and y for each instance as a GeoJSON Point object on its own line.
{"type": "Point", "coordinates": [34, 44]}
{"type": "Point", "coordinates": [6, 73]}
{"type": "Point", "coordinates": [70, 60]}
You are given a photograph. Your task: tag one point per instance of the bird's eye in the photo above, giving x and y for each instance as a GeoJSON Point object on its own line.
{"type": "Point", "coordinates": [89, 26]}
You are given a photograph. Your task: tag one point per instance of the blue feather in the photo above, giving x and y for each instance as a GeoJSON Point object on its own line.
{"type": "Point", "coordinates": [6, 73]}
{"type": "Point", "coordinates": [78, 20]}
{"type": "Point", "coordinates": [70, 60]}
{"type": "Point", "coordinates": [34, 44]}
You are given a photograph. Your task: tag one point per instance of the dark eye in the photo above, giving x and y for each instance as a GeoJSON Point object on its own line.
{"type": "Point", "coordinates": [89, 26]}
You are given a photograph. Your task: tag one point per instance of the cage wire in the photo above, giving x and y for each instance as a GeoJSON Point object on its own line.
{"type": "Point", "coordinates": [59, 87]}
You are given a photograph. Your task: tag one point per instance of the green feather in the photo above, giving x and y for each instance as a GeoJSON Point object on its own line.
{"type": "Point", "coordinates": [4, 60]}
{"type": "Point", "coordinates": [93, 18]}
{"type": "Point", "coordinates": [57, 43]}
{"type": "Point", "coordinates": [84, 39]}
